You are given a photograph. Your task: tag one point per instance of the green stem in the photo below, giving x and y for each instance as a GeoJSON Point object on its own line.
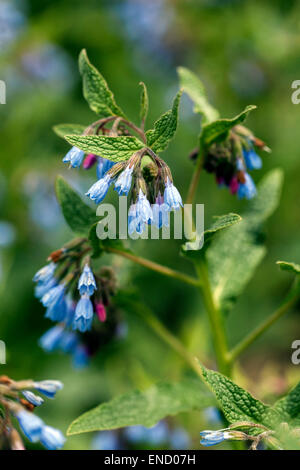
{"type": "Point", "coordinates": [214, 315]}
{"type": "Point", "coordinates": [155, 266]}
{"type": "Point", "coordinates": [194, 181]}
{"type": "Point", "coordinates": [254, 335]}
{"type": "Point", "coordinates": [215, 319]}
{"type": "Point", "coordinates": [171, 340]}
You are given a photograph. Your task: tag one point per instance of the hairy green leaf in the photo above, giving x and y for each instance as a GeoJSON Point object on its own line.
{"type": "Point", "coordinates": [164, 128]}
{"type": "Point", "coordinates": [77, 214]}
{"type": "Point", "coordinates": [116, 149]}
{"type": "Point", "coordinates": [234, 255]}
{"type": "Point", "coordinates": [95, 89]}
{"type": "Point", "coordinates": [196, 91]}
{"type": "Point", "coordinates": [289, 407]}
{"type": "Point", "coordinates": [63, 129]}
{"type": "Point", "coordinates": [218, 130]}
{"type": "Point", "coordinates": [286, 266]}
{"type": "Point", "coordinates": [191, 250]}
{"type": "Point", "coordinates": [236, 403]}
{"type": "Point", "coordinates": [144, 408]}
{"type": "Point", "coordinates": [144, 103]}
{"type": "Point", "coordinates": [221, 222]}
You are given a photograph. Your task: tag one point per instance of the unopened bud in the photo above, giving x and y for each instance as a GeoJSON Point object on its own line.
{"type": "Point", "coordinates": [89, 161]}
{"type": "Point", "coordinates": [101, 312]}
{"type": "Point", "coordinates": [56, 255]}
{"type": "Point", "coordinates": [29, 406]}
{"type": "Point", "coordinates": [5, 380]}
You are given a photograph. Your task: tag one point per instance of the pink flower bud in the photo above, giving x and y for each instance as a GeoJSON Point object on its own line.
{"type": "Point", "coordinates": [101, 312]}
{"type": "Point", "coordinates": [89, 161]}
{"type": "Point", "coordinates": [234, 185]}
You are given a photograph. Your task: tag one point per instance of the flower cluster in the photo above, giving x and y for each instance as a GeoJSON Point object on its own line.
{"type": "Point", "coordinates": [151, 201]}
{"type": "Point", "coordinates": [162, 435]}
{"type": "Point", "coordinates": [151, 198]}
{"type": "Point", "coordinates": [232, 159]}
{"type": "Point", "coordinates": [73, 295]}
{"type": "Point", "coordinates": [18, 400]}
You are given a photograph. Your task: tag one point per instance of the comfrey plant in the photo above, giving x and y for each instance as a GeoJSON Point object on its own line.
{"type": "Point", "coordinates": [17, 405]}
{"type": "Point", "coordinates": [128, 158]}
{"type": "Point", "coordinates": [75, 298]}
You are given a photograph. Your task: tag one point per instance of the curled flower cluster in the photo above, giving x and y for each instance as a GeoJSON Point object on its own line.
{"type": "Point", "coordinates": [151, 201]}
{"type": "Point", "coordinates": [17, 400]}
{"type": "Point", "coordinates": [232, 159]}
{"type": "Point", "coordinates": [151, 198]}
{"type": "Point", "coordinates": [72, 295]}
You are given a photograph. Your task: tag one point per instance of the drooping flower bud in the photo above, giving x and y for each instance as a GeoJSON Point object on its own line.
{"type": "Point", "coordinates": [74, 157]}
{"type": "Point", "coordinates": [89, 161]}
{"type": "Point", "coordinates": [101, 311]}
{"type": "Point", "coordinates": [32, 398]}
{"type": "Point", "coordinates": [87, 283]}
{"type": "Point", "coordinates": [48, 387]}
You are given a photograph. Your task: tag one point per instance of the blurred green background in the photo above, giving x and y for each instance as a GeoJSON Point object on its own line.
{"type": "Point", "coordinates": [246, 52]}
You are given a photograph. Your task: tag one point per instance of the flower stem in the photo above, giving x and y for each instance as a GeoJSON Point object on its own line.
{"type": "Point", "coordinates": [254, 335]}
{"type": "Point", "coordinates": [170, 339]}
{"type": "Point", "coordinates": [194, 181]}
{"type": "Point", "coordinates": [136, 129]}
{"type": "Point", "coordinates": [214, 315]}
{"type": "Point", "coordinates": [155, 266]}
{"type": "Point", "coordinates": [215, 319]}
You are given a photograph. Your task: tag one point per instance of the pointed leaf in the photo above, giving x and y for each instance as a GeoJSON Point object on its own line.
{"type": "Point", "coordinates": [77, 214]}
{"type": "Point", "coordinates": [289, 407]}
{"type": "Point", "coordinates": [196, 91]}
{"type": "Point", "coordinates": [95, 89]}
{"type": "Point", "coordinates": [144, 103]}
{"type": "Point", "coordinates": [286, 266]}
{"type": "Point", "coordinates": [116, 149]}
{"type": "Point", "coordinates": [234, 255]}
{"type": "Point", "coordinates": [236, 403]}
{"type": "Point", "coordinates": [144, 408]}
{"type": "Point", "coordinates": [221, 222]}
{"type": "Point", "coordinates": [164, 128]}
{"type": "Point", "coordinates": [63, 129]}
{"type": "Point", "coordinates": [218, 130]}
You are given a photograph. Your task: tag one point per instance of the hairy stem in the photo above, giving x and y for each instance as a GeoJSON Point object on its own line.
{"type": "Point", "coordinates": [171, 340]}
{"type": "Point", "coordinates": [194, 181]}
{"type": "Point", "coordinates": [214, 315]}
{"type": "Point", "coordinates": [136, 129]}
{"type": "Point", "coordinates": [215, 319]}
{"type": "Point", "coordinates": [155, 266]}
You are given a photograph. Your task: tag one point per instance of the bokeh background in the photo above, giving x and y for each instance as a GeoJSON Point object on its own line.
{"type": "Point", "coordinates": [246, 52]}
